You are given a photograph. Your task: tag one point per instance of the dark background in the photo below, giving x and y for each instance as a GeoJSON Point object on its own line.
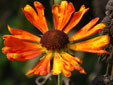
{"type": "Point", "coordinates": [13, 73]}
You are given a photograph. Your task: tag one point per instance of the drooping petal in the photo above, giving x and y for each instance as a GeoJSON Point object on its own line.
{"type": "Point", "coordinates": [76, 18]}
{"type": "Point", "coordinates": [13, 44]}
{"type": "Point", "coordinates": [87, 30]}
{"type": "Point", "coordinates": [22, 34]}
{"type": "Point", "coordinates": [24, 55]}
{"type": "Point", "coordinates": [62, 14]}
{"type": "Point", "coordinates": [59, 65]}
{"type": "Point", "coordinates": [37, 20]}
{"type": "Point", "coordinates": [42, 67]}
{"type": "Point", "coordinates": [93, 45]}
{"type": "Point", "coordinates": [74, 61]}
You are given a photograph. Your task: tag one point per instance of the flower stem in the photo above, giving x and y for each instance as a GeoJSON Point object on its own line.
{"type": "Point", "coordinates": [59, 79]}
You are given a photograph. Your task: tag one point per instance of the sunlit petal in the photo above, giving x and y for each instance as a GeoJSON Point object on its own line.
{"type": "Point", "coordinates": [62, 14]}
{"type": "Point", "coordinates": [24, 55]}
{"type": "Point", "coordinates": [88, 30]}
{"type": "Point", "coordinates": [59, 66]}
{"type": "Point", "coordinates": [13, 44]}
{"type": "Point", "coordinates": [23, 34]}
{"type": "Point", "coordinates": [37, 20]}
{"type": "Point", "coordinates": [94, 45]}
{"type": "Point", "coordinates": [74, 61]}
{"type": "Point", "coordinates": [76, 18]}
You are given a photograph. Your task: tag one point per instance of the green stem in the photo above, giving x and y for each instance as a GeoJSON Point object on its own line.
{"type": "Point", "coordinates": [59, 79]}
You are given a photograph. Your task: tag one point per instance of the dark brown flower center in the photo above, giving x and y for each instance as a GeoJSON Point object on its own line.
{"type": "Point", "coordinates": [54, 40]}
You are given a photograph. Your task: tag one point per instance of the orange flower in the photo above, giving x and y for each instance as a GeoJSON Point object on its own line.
{"type": "Point", "coordinates": [22, 45]}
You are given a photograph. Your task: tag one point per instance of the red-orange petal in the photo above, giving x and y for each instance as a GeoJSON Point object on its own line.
{"type": "Point", "coordinates": [42, 67]}
{"type": "Point", "coordinates": [40, 8]}
{"type": "Point", "coordinates": [88, 30]}
{"type": "Point", "coordinates": [22, 34]}
{"type": "Point", "coordinates": [62, 14]}
{"type": "Point", "coordinates": [24, 55]}
{"type": "Point", "coordinates": [93, 45]}
{"type": "Point", "coordinates": [76, 18]}
{"type": "Point", "coordinates": [13, 44]}
{"type": "Point", "coordinates": [74, 61]}
{"type": "Point", "coordinates": [38, 20]}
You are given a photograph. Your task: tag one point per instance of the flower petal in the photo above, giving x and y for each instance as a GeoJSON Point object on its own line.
{"type": "Point", "coordinates": [74, 61]}
{"type": "Point", "coordinates": [22, 34]}
{"type": "Point", "coordinates": [37, 20]}
{"type": "Point", "coordinates": [59, 65]}
{"type": "Point", "coordinates": [42, 67]}
{"type": "Point", "coordinates": [13, 45]}
{"type": "Point", "coordinates": [62, 14]}
{"type": "Point", "coordinates": [76, 18]}
{"type": "Point", "coordinates": [93, 45]}
{"type": "Point", "coordinates": [87, 30]}
{"type": "Point", "coordinates": [24, 55]}
{"type": "Point", "coordinates": [40, 8]}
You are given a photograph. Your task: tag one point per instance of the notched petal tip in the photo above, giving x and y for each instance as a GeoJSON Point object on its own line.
{"type": "Point", "coordinates": [38, 4]}
{"type": "Point", "coordinates": [27, 8]}
{"type": "Point", "coordinates": [82, 8]}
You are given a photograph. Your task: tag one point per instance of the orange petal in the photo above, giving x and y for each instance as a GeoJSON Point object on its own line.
{"type": "Point", "coordinates": [71, 59]}
{"type": "Point", "coordinates": [66, 72]}
{"type": "Point", "coordinates": [23, 34]}
{"type": "Point", "coordinates": [5, 50]}
{"type": "Point", "coordinates": [76, 18]}
{"type": "Point", "coordinates": [24, 55]}
{"type": "Point", "coordinates": [59, 66]}
{"type": "Point", "coordinates": [42, 67]}
{"type": "Point", "coordinates": [62, 14]}
{"type": "Point", "coordinates": [93, 45]}
{"type": "Point", "coordinates": [40, 8]}
{"type": "Point", "coordinates": [87, 30]}
{"type": "Point", "coordinates": [37, 20]}
{"type": "Point", "coordinates": [13, 44]}
{"type": "Point", "coordinates": [74, 61]}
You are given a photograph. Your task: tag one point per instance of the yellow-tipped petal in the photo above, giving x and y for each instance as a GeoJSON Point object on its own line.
{"type": "Point", "coordinates": [94, 45]}
{"type": "Point", "coordinates": [62, 13]}
{"type": "Point", "coordinates": [76, 19]}
{"type": "Point", "coordinates": [87, 30]}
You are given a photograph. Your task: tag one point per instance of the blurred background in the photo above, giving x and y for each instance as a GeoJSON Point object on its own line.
{"type": "Point", "coordinates": [13, 73]}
